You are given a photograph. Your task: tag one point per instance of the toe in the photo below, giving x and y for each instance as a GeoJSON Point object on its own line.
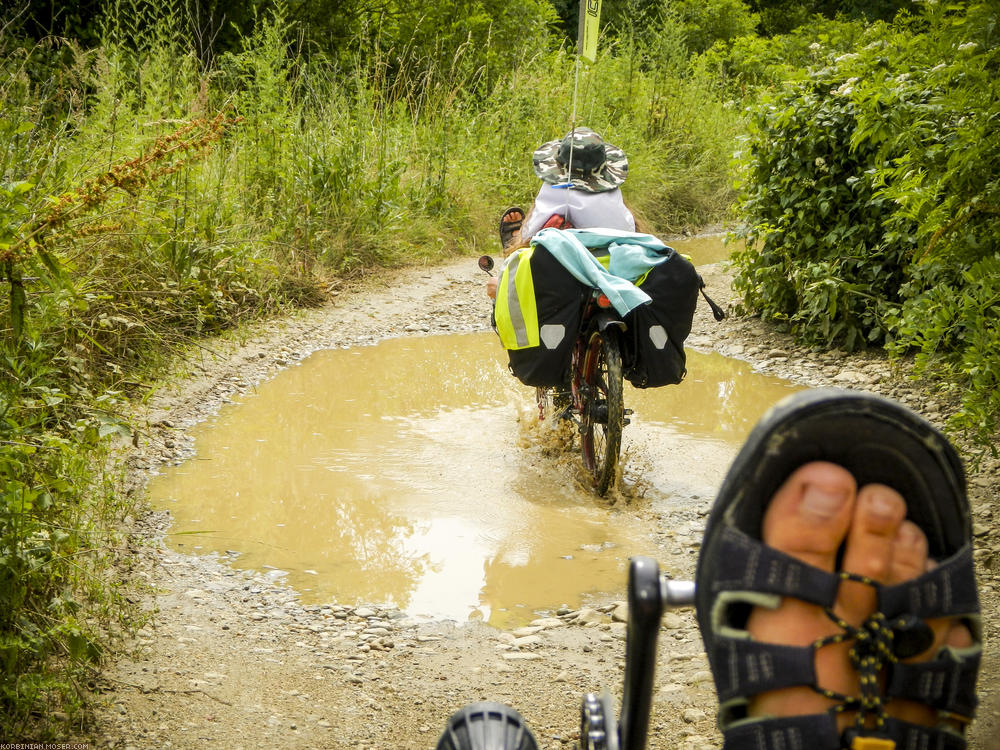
{"type": "Point", "coordinates": [878, 513]}
{"type": "Point", "coordinates": [809, 516]}
{"type": "Point", "coordinates": [868, 551]}
{"type": "Point", "coordinates": [909, 554]}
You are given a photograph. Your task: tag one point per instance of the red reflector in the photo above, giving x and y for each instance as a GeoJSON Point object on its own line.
{"type": "Point", "coordinates": [603, 301]}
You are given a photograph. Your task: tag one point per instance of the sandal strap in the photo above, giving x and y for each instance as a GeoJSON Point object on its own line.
{"type": "Point", "coordinates": [947, 590]}
{"type": "Point", "coordinates": [946, 684]}
{"type": "Point", "coordinates": [907, 736]}
{"type": "Point", "coordinates": [747, 564]}
{"type": "Point", "coordinates": [810, 732]}
{"type": "Point", "coordinates": [745, 667]}
{"type": "Point", "coordinates": [819, 732]}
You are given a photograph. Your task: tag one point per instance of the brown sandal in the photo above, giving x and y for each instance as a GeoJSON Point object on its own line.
{"type": "Point", "coordinates": [509, 227]}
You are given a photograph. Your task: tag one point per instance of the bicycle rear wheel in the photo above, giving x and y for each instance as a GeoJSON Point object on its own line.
{"type": "Point", "coordinates": [602, 415]}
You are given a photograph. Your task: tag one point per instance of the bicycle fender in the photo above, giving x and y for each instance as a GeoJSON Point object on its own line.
{"type": "Point", "coordinates": [605, 320]}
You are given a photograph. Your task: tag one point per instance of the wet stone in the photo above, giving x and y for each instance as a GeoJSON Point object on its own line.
{"type": "Point", "coordinates": [671, 621]}
{"type": "Point", "coordinates": [852, 377]}
{"type": "Point", "coordinates": [547, 622]}
{"type": "Point", "coordinates": [524, 632]}
{"type": "Point", "coordinates": [588, 616]}
{"type": "Point", "coordinates": [528, 641]}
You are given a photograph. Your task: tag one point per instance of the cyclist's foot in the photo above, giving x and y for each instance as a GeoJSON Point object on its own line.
{"type": "Point", "coordinates": [816, 515]}
{"type": "Point", "coordinates": [510, 228]}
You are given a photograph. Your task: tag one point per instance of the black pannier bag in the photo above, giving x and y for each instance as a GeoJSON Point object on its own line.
{"type": "Point", "coordinates": [653, 345]}
{"type": "Point", "coordinates": [559, 300]}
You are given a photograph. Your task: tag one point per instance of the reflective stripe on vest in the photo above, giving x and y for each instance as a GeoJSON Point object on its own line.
{"type": "Point", "coordinates": [516, 314]}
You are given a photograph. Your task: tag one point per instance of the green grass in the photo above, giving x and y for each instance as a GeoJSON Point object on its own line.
{"type": "Point", "coordinates": [148, 200]}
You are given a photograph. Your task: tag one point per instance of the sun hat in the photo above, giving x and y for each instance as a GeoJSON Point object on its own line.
{"type": "Point", "coordinates": [597, 166]}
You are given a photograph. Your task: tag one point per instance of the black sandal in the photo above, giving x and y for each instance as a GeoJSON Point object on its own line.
{"type": "Point", "coordinates": [878, 441]}
{"type": "Point", "coordinates": [509, 228]}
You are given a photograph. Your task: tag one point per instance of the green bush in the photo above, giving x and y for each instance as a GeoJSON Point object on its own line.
{"type": "Point", "coordinates": [745, 63]}
{"type": "Point", "coordinates": [817, 256]}
{"type": "Point", "coordinates": [706, 23]}
{"type": "Point", "coordinates": [54, 533]}
{"type": "Point", "coordinates": [870, 200]}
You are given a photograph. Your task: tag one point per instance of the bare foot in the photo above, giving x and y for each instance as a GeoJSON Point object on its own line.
{"type": "Point", "coordinates": [818, 514]}
{"type": "Point", "coordinates": [511, 221]}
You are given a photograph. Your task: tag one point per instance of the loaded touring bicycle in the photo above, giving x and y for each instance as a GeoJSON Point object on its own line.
{"type": "Point", "coordinates": [580, 311]}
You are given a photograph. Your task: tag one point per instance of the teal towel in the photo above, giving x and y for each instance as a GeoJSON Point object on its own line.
{"type": "Point", "coordinates": [632, 255]}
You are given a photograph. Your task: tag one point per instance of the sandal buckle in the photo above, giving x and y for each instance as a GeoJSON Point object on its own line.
{"type": "Point", "coordinates": [852, 739]}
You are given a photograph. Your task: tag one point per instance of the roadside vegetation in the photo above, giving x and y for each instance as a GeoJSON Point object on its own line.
{"type": "Point", "coordinates": [168, 173]}
{"type": "Point", "coordinates": [871, 196]}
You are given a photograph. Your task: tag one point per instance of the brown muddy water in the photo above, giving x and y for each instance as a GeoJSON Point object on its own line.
{"type": "Point", "coordinates": [705, 249]}
{"type": "Point", "coordinates": [415, 473]}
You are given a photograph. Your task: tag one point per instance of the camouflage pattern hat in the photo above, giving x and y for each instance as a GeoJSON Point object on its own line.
{"type": "Point", "coordinates": [597, 166]}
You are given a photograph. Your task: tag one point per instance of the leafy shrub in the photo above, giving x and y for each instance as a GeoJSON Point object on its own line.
{"type": "Point", "coordinates": [870, 199]}
{"type": "Point", "coordinates": [52, 533]}
{"type": "Point", "coordinates": [748, 62]}
{"type": "Point", "coordinates": [706, 23]}
{"type": "Point", "coordinates": [816, 254]}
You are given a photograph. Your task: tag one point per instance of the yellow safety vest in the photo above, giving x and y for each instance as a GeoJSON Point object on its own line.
{"type": "Point", "coordinates": [516, 313]}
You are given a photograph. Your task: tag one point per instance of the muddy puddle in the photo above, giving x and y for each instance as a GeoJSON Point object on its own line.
{"type": "Point", "coordinates": [414, 473]}
{"type": "Point", "coordinates": [706, 249]}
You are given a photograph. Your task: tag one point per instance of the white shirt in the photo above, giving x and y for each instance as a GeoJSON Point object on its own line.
{"type": "Point", "coordinates": [583, 210]}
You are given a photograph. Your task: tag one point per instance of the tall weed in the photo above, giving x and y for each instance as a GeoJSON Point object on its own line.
{"type": "Point", "coordinates": [147, 200]}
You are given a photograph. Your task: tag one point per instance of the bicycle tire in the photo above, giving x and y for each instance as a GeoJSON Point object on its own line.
{"type": "Point", "coordinates": [602, 414]}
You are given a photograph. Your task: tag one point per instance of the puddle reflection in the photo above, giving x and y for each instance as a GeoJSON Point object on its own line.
{"type": "Point", "coordinates": [394, 473]}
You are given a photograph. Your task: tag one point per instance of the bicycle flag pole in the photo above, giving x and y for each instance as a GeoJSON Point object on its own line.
{"type": "Point", "coordinates": [586, 48]}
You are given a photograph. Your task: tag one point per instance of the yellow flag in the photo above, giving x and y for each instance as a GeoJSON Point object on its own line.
{"type": "Point", "coordinates": [590, 20]}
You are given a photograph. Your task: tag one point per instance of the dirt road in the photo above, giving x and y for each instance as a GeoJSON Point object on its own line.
{"type": "Point", "coordinates": [232, 660]}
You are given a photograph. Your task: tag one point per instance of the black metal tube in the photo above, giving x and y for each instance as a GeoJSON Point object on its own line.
{"type": "Point", "coordinates": [645, 608]}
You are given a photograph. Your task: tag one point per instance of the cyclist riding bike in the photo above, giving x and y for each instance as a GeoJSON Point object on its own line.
{"type": "Point", "coordinates": [583, 300]}
{"type": "Point", "coordinates": [581, 178]}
